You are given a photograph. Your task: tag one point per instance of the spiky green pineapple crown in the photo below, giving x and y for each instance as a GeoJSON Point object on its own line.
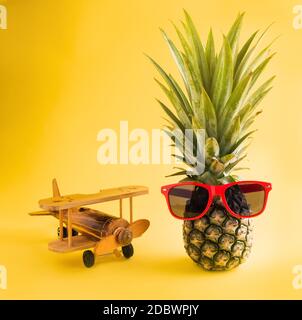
{"type": "Point", "coordinates": [219, 95]}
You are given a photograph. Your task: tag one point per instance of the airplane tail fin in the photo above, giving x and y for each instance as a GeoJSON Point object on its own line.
{"type": "Point", "coordinates": [55, 189]}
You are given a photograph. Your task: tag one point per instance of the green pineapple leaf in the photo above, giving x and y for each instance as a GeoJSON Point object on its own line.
{"type": "Point", "coordinates": [232, 165]}
{"type": "Point", "coordinates": [230, 137]}
{"type": "Point", "coordinates": [210, 114]}
{"type": "Point", "coordinates": [172, 116]}
{"type": "Point", "coordinates": [243, 63]}
{"type": "Point", "coordinates": [233, 36]}
{"type": "Point", "coordinates": [233, 105]}
{"type": "Point", "coordinates": [210, 54]}
{"type": "Point", "coordinates": [216, 166]}
{"type": "Point", "coordinates": [222, 82]}
{"type": "Point", "coordinates": [183, 102]}
{"type": "Point", "coordinates": [261, 92]}
{"type": "Point", "coordinates": [228, 158]}
{"type": "Point", "coordinates": [185, 45]}
{"type": "Point", "coordinates": [247, 68]}
{"type": "Point", "coordinates": [220, 94]}
{"type": "Point", "coordinates": [199, 51]}
{"type": "Point", "coordinates": [179, 173]}
{"type": "Point", "coordinates": [211, 149]}
{"type": "Point", "coordinates": [241, 140]}
{"type": "Point", "coordinates": [182, 67]}
{"type": "Point", "coordinates": [258, 71]}
{"type": "Point", "coordinates": [242, 53]}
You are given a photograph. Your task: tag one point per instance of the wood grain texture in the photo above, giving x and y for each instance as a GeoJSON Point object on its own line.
{"type": "Point", "coordinates": [42, 213]}
{"type": "Point", "coordinates": [117, 253]}
{"type": "Point", "coordinates": [69, 226]}
{"type": "Point", "coordinates": [61, 214]}
{"type": "Point", "coordinates": [139, 227]}
{"type": "Point", "coordinates": [77, 200]}
{"type": "Point", "coordinates": [78, 243]}
{"type": "Point", "coordinates": [93, 222]}
{"type": "Point", "coordinates": [121, 208]}
{"type": "Point", "coordinates": [131, 209]}
{"type": "Point", "coordinates": [106, 245]}
{"type": "Point", "coordinates": [55, 189]}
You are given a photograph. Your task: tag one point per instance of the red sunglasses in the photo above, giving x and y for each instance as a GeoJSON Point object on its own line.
{"type": "Point", "coordinates": [192, 200]}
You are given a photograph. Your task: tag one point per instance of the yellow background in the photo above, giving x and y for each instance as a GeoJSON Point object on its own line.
{"type": "Point", "coordinates": [69, 69]}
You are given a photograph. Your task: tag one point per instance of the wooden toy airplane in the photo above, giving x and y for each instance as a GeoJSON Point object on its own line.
{"type": "Point", "coordinates": [83, 228]}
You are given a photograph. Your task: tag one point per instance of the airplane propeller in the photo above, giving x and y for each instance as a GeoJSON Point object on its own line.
{"type": "Point", "coordinates": [122, 236]}
{"type": "Point", "coordinates": [138, 227]}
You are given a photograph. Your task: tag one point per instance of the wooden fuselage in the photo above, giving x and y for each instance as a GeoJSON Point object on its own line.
{"type": "Point", "coordinates": [93, 222]}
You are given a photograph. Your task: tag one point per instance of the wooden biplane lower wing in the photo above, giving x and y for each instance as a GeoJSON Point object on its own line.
{"type": "Point", "coordinates": [80, 242]}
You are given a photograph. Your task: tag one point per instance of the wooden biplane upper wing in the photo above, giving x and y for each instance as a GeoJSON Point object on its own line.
{"type": "Point", "coordinates": [76, 200]}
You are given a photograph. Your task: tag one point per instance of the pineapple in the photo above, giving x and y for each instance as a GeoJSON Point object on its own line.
{"type": "Point", "coordinates": [220, 95]}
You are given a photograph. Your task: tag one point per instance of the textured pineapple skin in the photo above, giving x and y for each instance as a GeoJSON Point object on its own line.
{"type": "Point", "coordinates": [218, 241]}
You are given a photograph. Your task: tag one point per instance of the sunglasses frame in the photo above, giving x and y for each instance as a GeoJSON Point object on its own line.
{"type": "Point", "coordinates": [216, 190]}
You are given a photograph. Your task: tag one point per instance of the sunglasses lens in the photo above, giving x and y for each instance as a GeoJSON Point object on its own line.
{"type": "Point", "coordinates": [245, 199]}
{"type": "Point", "coordinates": [188, 201]}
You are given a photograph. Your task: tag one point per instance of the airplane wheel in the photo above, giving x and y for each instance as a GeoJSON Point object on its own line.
{"type": "Point", "coordinates": [65, 233]}
{"type": "Point", "coordinates": [128, 251]}
{"type": "Point", "coordinates": [88, 258]}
